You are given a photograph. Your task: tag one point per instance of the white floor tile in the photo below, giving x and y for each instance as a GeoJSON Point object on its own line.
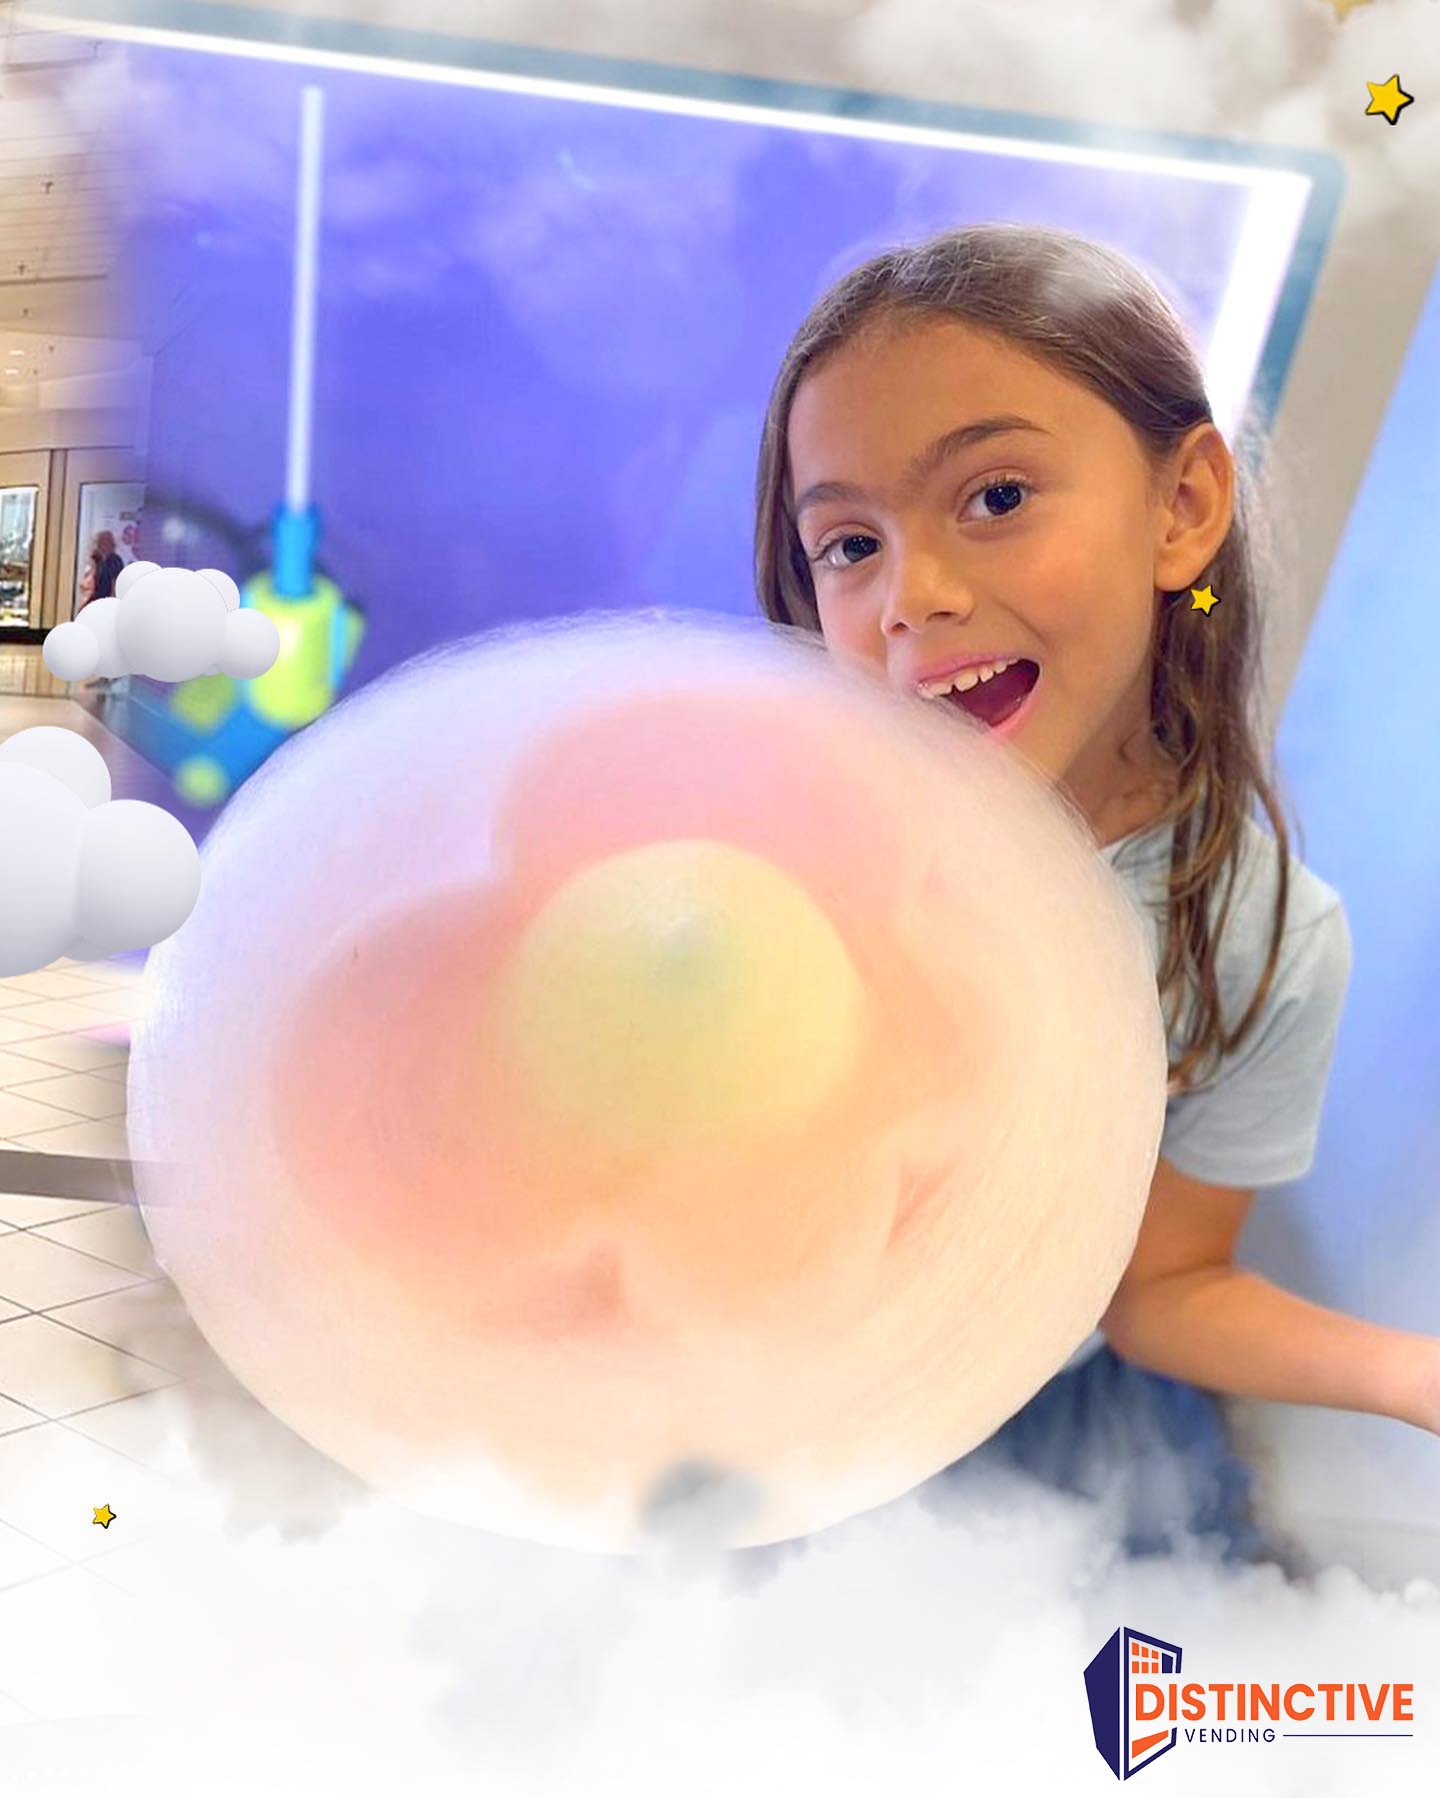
{"type": "Point", "coordinates": [49, 983]}
{"type": "Point", "coordinates": [24, 1116]}
{"type": "Point", "coordinates": [32, 695]}
{"type": "Point", "coordinates": [7, 1310]}
{"type": "Point", "coordinates": [15, 1416]}
{"type": "Point", "coordinates": [49, 1630]}
{"type": "Point", "coordinates": [37, 1273]}
{"type": "Point", "coordinates": [86, 1095]}
{"type": "Point", "coordinates": [107, 1142]}
{"type": "Point", "coordinates": [136, 1567]}
{"type": "Point", "coordinates": [126, 969]}
{"type": "Point", "coordinates": [58, 1371]}
{"type": "Point", "coordinates": [116, 1234]}
{"type": "Point", "coordinates": [81, 1054]}
{"type": "Point", "coordinates": [14, 1030]}
{"type": "Point", "coordinates": [24, 1210]}
{"type": "Point", "coordinates": [11, 1712]}
{"type": "Point", "coordinates": [151, 1321]}
{"type": "Point", "coordinates": [161, 1429]}
{"type": "Point", "coordinates": [127, 1003]}
{"type": "Point", "coordinates": [21, 1556]}
{"type": "Point", "coordinates": [20, 989]}
{"type": "Point", "coordinates": [15, 1068]}
{"type": "Point", "coordinates": [52, 1481]}
{"type": "Point", "coordinates": [61, 1014]}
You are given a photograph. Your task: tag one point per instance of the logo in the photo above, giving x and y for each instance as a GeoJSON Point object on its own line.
{"type": "Point", "coordinates": [1139, 1708]}
{"type": "Point", "coordinates": [1129, 1661]}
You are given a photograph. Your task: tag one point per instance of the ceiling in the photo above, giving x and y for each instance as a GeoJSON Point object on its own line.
{"type": "Point", "coordinates": [62, 183]}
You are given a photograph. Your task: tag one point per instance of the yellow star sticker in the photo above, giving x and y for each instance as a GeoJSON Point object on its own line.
{"type": "Point", "coordinates": [1388, 98]}
{"type": "Point", "coordinates": [104, 1516]}
{"type": "Point", "coordinates": [1204, 600]}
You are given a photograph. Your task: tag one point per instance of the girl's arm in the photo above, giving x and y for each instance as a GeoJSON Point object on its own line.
{"type": "Point", "coordinates": [1184, 1309]}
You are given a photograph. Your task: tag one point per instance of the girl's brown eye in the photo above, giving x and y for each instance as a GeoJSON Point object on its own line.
{"type": "Point", "coordinates": [1013, 490]}
{"type": "Point", "coordinates": [1005, 487]}
{"type": "Point", "coordinates": [838, 543]}
{"type": "Point", "coordinates": [1011, 495]}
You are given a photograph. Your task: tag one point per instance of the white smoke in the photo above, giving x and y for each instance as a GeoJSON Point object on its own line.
{"type": "Point", "coordinates": [928, 1645]}
{"type": "Point", "coordinates": [1291, 75]}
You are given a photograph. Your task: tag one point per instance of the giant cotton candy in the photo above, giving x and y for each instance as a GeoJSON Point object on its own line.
{"type": "Point", "coordinates": [638, 1051]}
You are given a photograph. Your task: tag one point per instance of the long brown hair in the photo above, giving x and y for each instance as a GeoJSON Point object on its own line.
{"type": "Point", "coordinates": [1094, 317]}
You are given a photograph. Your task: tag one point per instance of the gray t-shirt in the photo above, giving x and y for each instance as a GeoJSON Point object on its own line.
{"type": "Point", "coordinates": [1255, 1121]}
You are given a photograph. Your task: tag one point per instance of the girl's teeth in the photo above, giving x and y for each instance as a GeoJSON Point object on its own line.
{"type": "Point", "coordinates": [972, 677]}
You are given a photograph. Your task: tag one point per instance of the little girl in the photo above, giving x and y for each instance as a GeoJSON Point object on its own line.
{"type": "Point", "coordinates": [989, 474]}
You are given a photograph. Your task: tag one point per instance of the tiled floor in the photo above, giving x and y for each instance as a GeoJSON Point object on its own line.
{"type": "Point", "coordinates": [30, 694]}
{"type": "Point", "coordinates": [95, 1348]}
{"type": "Point", "coordinates": [109, 1395]}
{"type": "Point", "coordinates": [64, 1044]}
{"type": "Point", "coordinates": [23, 673]}
{"type": "Point", "coordinates": [95, 1345]}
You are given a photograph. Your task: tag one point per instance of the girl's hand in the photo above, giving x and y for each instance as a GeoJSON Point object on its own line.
{"type": "Point", "coordinates": [1429, 1417]}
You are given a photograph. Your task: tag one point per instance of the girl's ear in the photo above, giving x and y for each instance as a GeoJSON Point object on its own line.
{"type": "Point", "coordinates": [1195, 507]}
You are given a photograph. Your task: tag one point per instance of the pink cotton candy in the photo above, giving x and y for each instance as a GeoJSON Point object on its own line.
{"type": "Point", "coordinates": [502, 1313]}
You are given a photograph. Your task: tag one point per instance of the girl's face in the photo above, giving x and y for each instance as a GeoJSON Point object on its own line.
{"type": "Point", "coordinates": [1036, 536]}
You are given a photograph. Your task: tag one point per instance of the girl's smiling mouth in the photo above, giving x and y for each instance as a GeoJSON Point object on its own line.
{"type": "Point", "coordinates": [995, 697]}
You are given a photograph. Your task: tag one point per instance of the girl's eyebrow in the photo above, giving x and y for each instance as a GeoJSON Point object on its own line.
{"type": "Point", "coordinates": [929, 459]}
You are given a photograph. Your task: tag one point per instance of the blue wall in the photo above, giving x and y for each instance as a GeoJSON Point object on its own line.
{"type": "Point", "coordinates": [1359, 747]}
{"type": "Point", "coordinates": [547, 330]}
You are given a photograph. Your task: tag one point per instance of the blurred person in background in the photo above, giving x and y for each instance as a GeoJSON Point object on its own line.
{"type": "Point", "coordinates": [105, 563]}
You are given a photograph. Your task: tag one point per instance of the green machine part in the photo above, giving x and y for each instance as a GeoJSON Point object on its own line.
{"type": "Point", "coordinates": [319, 636]}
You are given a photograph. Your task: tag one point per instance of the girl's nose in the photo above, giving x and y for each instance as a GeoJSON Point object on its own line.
{"type": "Point", "coordinates": [924, 590]}
{"type": "Point", "coordinates": [924, 593]}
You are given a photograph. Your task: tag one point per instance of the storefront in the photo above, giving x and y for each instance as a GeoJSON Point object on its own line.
{"type": "Point", "coordinates": [56, 505]}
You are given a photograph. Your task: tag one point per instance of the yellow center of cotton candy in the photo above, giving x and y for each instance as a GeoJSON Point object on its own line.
{"type": "Point", "coordinates": [682, 993]}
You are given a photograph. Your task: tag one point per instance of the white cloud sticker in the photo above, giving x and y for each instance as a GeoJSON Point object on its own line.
{"type": "Point", "coordinates": [84, 875]}
{"type": "Point", "coordinates": [172, 624]}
